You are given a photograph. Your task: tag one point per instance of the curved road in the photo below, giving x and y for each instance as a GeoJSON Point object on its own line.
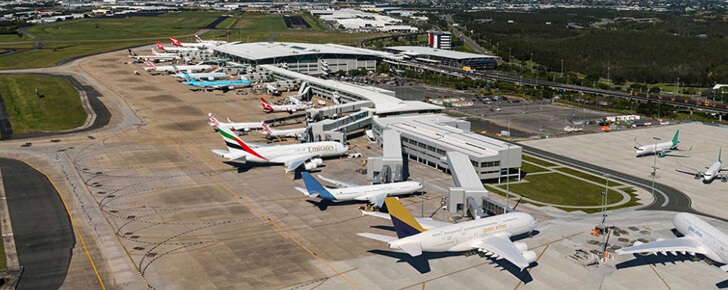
{"type": "Point", "coordinates": [665, 198]}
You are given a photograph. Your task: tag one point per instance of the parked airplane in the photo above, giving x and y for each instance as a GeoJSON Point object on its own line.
{"type": "Point", "coordinates": [374, 193]}
{"type": "Point", "coordinates": [294, 133]}
{"type": "Point", "coordinates": [710, 173]}
{"type": "Point", "coordinates": [209, 42]}
{"type": "Point", "coordinates": [282, 108]}
{"type": "Point", "coordinates": [490, 235]}
{"type": "Point", "coordinates": [154, 56]}
{"type": "Point", "coordinates": [232, 125]}
{"type": "Point", "coordinates": [699, 238]}
{"type": "Point", "coordinates": [177, 43]}
{"type": "Point", "coordinates": [218, 85]}
{"type": "Point", "coordinates": [217, 74]}
{"type": "Point", "coordinates": [291, 156]}
{"type": "Point", "coordinates": [660, 149]}
{"type": "Point", "coordinates": [176, 48]}
{"type": "Point", "coordinates": [171, 69]}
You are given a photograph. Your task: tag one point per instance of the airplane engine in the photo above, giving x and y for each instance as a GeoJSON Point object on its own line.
{"type": "Point", "coordinates": [317, 161]}
{"type": "Point", "coordinates": [661, 154]}
{"type": "Point", "coordinates": [521, 246]}
{"type": "Point", "coordinates": [530, 256]}
{"type": "Point", "coordinates": [210, 78]}
{"type": "Point", "coordinates": [724, 179]}
{"type": "Point", "coordinates": [637, 243]}
{"type": "Point", "coordinates": [697, 175]}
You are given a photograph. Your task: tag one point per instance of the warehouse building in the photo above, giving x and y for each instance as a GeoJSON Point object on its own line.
{"type": "Point", "coordinates": [456, 59]}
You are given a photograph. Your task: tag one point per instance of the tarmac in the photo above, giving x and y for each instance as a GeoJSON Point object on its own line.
{"type": "Point", "coordinates": [157, 209]}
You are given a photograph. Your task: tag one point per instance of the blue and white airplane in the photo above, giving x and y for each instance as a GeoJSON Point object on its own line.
{"type": "Point", "coordinates": [374, 193]}
{"type": "Point", "coordinates": [219, 85]}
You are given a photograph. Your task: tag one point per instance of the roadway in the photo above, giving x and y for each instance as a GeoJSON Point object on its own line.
{"type": "Point", "coordinates": [666, 198]}
{"type": "Point", "coordinates": [41, 227]}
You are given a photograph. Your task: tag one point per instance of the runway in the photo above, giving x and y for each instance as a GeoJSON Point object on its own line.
{"type": "Point", "coordinates": [42, 230]}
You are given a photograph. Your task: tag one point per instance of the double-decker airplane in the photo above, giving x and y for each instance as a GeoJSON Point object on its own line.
{"type": "Point", "coordinates": [374, 193]}
{"type": "Point", "coordinates": [699, 238]}
{"type": "Point", "coordinates": [177, 43]}
{"type": "Point", "coordinates": [491, 235]}
{"type": "Point", "coordinates": [155, 56]}
{"type": "Point", "coordinates": [306, 155]}
{"type": "Point", "coordinates": [176, 48]}
{"type": "Point", "coordinates": [234, 126]}
{"type": "Point", "coordinates": [217, 74]}
{"type": "Point", "coordinates": [171, 69]}
{"type": "Point", "coordinates": [290, 108]}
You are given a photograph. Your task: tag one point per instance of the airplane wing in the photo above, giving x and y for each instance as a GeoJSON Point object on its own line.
{"type": "Point", "coordinates": [293, 162]}
{"type": "Point", "coordinates": [637, 144]}
{"type": "Point", "coordinates": [375, 198]}
{"type": "Point", "coordinates": [692, 171]}
{"type": "Point", "coordinates": [502, 246]}
{"type": "Point", "coordinates": [671, 245]}
{"type": "Point", "coordinates": [426, 223]}
{"type": "Point", "coordinates": [227, 154]}
{"type": "Point", "coordinates": [338, 183]}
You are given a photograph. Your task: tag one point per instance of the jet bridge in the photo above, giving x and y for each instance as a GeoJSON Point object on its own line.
{"type": "Point", "coordinates": [390, 167]}
{"type": "Point", "coordinates": [337, 128]}
{"type": "Point", "coordinates": [468, 194]}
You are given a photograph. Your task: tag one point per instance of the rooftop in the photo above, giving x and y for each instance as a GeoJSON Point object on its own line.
{"type": "Point", "coordinates": [264, 50]}
{"type": "Point", "coordinates": [434, 127]}
{"type": "Point", "coordinates": [383, 103]}
{"type": "Point", "coordinates": [426, 50]}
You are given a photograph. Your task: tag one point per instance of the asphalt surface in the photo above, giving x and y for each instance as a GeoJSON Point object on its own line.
{"type": "Point", "coordinates": [41, 227]}
{"type": "Point", "coordinates": [666, 198]}
{"type": "Point", "coordinates": [103, 116]}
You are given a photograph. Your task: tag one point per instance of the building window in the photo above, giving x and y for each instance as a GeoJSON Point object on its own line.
{"type": "Point", "coordinates": [422, 145]}
{"type": "Point", "coordinates": [431, 148]}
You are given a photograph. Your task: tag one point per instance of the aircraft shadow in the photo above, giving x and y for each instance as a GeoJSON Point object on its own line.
{"type": "Point", "coordinates": [244, 167]}
{"type": "Point", "coordinates": [386, 228]}
{"type": "Point", "coordinates": [722, 285]}
{"type": "Point", "coordinates": [640, 260]}
{"type": "Point", "coordinates": [325, 203]}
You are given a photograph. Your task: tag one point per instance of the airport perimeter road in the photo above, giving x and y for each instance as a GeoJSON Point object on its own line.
{"type": "Point", "coordinates": [665, 197]}
{"type": "Point", "coordinates": [41, 227]}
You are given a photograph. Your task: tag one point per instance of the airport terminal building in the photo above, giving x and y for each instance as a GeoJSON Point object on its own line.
{"type": "Point", "coordinates": [307, 58]}
{"type": "Point", "coordinates": [457, 59]}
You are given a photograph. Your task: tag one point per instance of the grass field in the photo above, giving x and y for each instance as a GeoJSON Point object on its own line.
{"type": "Point", "coordinates": [315, 24]}
{"type": "Point", "coordinates": [92, 35]}
{"type": "Point", "coordinates": [561, 189]}
{"type": "Point", "coordinates": [60, 109]}
{"type": "Point", "coordinates": [587, 176]}
{"type": "Point", "coordinates": [537, 161]}
{"type": "Point", "coordinates": [530, 168]}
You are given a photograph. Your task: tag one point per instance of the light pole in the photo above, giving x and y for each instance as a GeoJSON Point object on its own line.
{"type": "Point", "coordinates": [562, 68]}
{"type": "Point", "coordinates": [677, 87]}
{"type": "Point", "coordinates": [654, 164]}
{"type": "Point", "coordinates": [606, 200]}
{"type": "Point", "coordinates": [508, 175]}
{"type": "Point", "coordinates": [608, 83]}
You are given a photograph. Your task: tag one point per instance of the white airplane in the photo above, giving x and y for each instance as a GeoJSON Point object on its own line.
{"type": "Point", "coordinates": [660, 149]}
{"type": "Point", "coordinates": [490, 235]}
{"type": "Point", "coordinates": [175, 48]}
{"type": "Point", "coordinates": [154, 56]}
{"type": "Point", "coordinates": [177, 43]}
{"type": "Point", "coordinates": [374, 193]}
{"type": "Point", "coordinates": [291, 156]}
{"type": "Point", "coordinates": [209, 42]}
{"type": "Point", "coordinates": [710, 173]}
{"type": "Point", "coordinates": [282, 108]}
{"type": "Point", "coordinates": [171, 69]}
{"type": "Point", "coordinates": [699, 238]}
{"type": "Point", "coordinates": [213, 122]}
{"type": "Point", "coordinates": [294, 133]}
{"type": "Point", "coordinates": [217, 74]}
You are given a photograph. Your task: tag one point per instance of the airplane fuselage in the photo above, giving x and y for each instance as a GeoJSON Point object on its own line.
{"type": "Point", "coordinates": [715, 240]}
{"type": "Point", "coordinates": [184, 68]}
{"type": "Point", "coordinates": [654, 148]}
{"type": "Point", "coordinates": [712, 171]}
{"type": "Point", "coordinates": [462, 236]}
{"type": "Point", "coordinates": [287, 132]}
{"type": "Point", "coordinates": [270, 154]}
{"type": "Point", "coordinates": [392, 189]}
{"type": "Point", "coordinates": [203, 76]}
{"type": "Point", "coordinates": [239, 126]}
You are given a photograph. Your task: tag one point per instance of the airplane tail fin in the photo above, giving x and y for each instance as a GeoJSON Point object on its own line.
{"type": "Point", "coordinates": [266, 105]}
{"type": "Point", "coordinates": [675, 141]}
{"type": "Point", "coordinates": [174, 41]}
{"type": "Point", "coordinates": [314, 188]}
{"type": "Point", "coordinates": [266, 129]}
{"type": "Point", "coordinates": [213, 121]}
{"type": "Point", "coordinates": [234, 144]}
{"type": "Point", "coordinates": [404, 223]}
{"type": "Point", "coordinates": [160, 46]}
{"type": "Point", "coordinates": [154, 52]}
{"type": "Point", "coordinates": [132, 53]}
{"type": "Point", "coordinates": [719, 152]}
{"type": "Point", "coordinates": [199, 40]}
{"type": "Point", "coordinates": [176, 70]}
{"type": "Point", "coordinates": [150, 64]}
